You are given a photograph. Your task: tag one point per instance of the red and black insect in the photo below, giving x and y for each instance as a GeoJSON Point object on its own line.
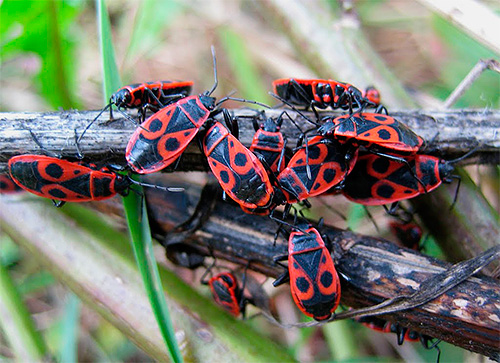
{"type": "Point", "coordinates": [372, 94]}
{"type": "Point", "coordinates": [377, 180]}
{"type": "Point", "coordinates": [409, 234]}
{"type": "Point", "coordinates": [164, 136]}
{"type": "Point", "coordinates": [8, 186]}
{"type": "Point", "coordinates": [269, 142]}
{"type": "Point", "coordinates": [227, 293]}
{"type": "Point", "coordinates": [67, 181]}
{"type": "Point", "coordinates": [153, 95]}
{"type": "Point", "coordinates": [377, 132]}
{"type": "Point", "coordinates": [316, 167]}
{"type": "Point", "coordinates": [403, 334]}
{"type": "Point", "coordinates": [320, 93]}
{"type": "Point", "coordinates": [240, 173]}
{"type": "Point", "coordinates": [150, 94]}
{"type": "Point", "coordinates": [314, 282]}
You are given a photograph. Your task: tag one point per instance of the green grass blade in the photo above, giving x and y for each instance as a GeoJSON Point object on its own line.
{"type": "Point", "coordinates": [24, 339]}
{"type": "Point", "coordinates": [36, 282]}
{"type": "Point", "coordinates": [152, 19]}
{"type": "Point", "coordinates": [341, 341]}
{"type": "Point", "coordinates": [143, 251]}
{"type": "Point", "coordinates": [248, 78]}
{"type": "Point", "coordinates": [70, 326]}
{"type": "Point", "coordinates": [355, 216]}
{"type": "Point", "coordinates": [135, 208]}
{"type": "Point", "coordinates": [110, 74]}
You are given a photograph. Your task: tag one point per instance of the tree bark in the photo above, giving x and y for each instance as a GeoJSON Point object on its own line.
{"type": "Point", "coordinates": [450, 134]}
{"type": "Point", "coordinates": [371, 269]}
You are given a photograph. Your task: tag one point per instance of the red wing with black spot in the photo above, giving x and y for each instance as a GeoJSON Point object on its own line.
{"type": "Point", "coordinates": [64, 180]}
{"type": "Point", "coordinates": [408, 234]}
{"type": "Point", "coordinates": [328, 166]}
{"type": "Point", "coordinates": [238, 170]}
{"type": "Point", "coordinates": [314, 282]}
{"type": "Point", "coordinates": [375, 131]}
{"type": "Point", "coordinates": [226, 292]}
{"type": "Point", "coordinates": [165, 135]}
{"type": "Point", "coordinates": [7, 185]}
{"type": "Point", "coordinates": [377, 180]}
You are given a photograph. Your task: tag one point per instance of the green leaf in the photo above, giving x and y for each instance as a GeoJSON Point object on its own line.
{"type": "Point", "coordinates": [70, 327]}
{"type": "Point", "coordinates": [19, 329]}
{"type": "Point", "coordinates": [43, 28]}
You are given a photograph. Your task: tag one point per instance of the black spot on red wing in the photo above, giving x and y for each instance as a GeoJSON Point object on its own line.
{"type": "Point", "coordinates": [385, 191]}
{"type": "Point", "coordinates": [329, 175]}
{"type": "Point", "coordinates": [384, 134]}
{"type": "Point", "coordinates": [172, 144]}
{"type": "Point", "coordinates": [381, 165]}
{"type": "Point", "coordinates": [224, 176]}
{"type": "Point", "coordinates": [323, 259]}
{"type": "Point", "coordinates": [187, 133]}
{"type": "Point", "coordinates": [407, 191]}
{"type": "Point", "coordinates": [300, 162]}
{"type": "Point", "coordinates": [56, 193]}
{"type": "Point", "coordinates": [326, 278]}
{"type": "Point", "coordinates": [54, 170]}
{"type": "Point", "coordinates": [3, 185]}
{"type": "Point", "coordinates": [428, 171]}
{"type": "Point", "coordinates": [231, 144]}
{"type": "Point", "coordinates": [314, 152]}
{"type": "Point", "coordinates": [214, 163]}
{"type": "Point", "coordinates": [302, 284]}
{"type": "Point", "coordinates": [155, 125]}
{"type": "Point", "coordinates": [240, 159]}
{"type": "Point", "coordinates": [295, 265]}
{"type": "Point", "coordinates": [76, 172]}
{"type": "Point", "coordinates": [228, 280]}
{"type": "Point", "coordinates": [380, 117]}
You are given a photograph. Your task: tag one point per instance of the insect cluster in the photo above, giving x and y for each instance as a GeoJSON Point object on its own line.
{"type": "Point", "coordinates": [369, 157]}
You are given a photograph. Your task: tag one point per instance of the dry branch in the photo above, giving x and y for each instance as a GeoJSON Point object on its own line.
{"type": "Point", "coordinates": [372, 269]}
{"type": "Point", "coordinates": [452, 133]}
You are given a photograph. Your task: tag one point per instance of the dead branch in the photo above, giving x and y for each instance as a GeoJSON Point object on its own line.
{"type": "Point", "coordinates": [372, 269]}
{"type": "Point", "coordinates": [449, 134]}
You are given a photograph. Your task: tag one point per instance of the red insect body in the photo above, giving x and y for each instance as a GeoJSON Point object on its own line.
{"type": "Point", "coordinates": [164, 136]}
{"type": "Point", "coordinates": [377, 180]}
{"type": "Point", "coordinates": [238, 170]}
{"type": "Point", "coordinates": [319, 92]}
{"type": "Point", "coordinates": [408, 234]}
{"type": "Point", "coordinates": [7, 185]}
{"type": "Point", "coordinates": [314, 282]}
{"type": "Point", "coordinates": [374, 131]}
{"type": "Point", "coordinates": [140, 94]}
{"type": "Point", "coordinates": [269, 142]}
{"type": "Point", "coordinates": [227, 293]}
{"type": "Point", "coordinates": [63, 180]}
{"type": "Point", "coordinates": [373, 95]}
{"type": "Point", "coordinates": [327, 163]}
{"type": "Point", "coordinates": [385, 326]}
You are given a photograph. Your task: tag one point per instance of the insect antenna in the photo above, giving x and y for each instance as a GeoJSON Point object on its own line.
{"type": "Point", "coordinates": [168, 189]}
